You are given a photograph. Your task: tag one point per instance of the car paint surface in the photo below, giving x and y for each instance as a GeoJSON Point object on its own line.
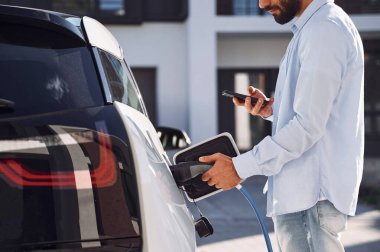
{"type": "Point", "coordinates": [165, 218]}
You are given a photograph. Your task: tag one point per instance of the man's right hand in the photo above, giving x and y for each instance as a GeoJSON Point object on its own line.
{"type": "Point", "coordinates": [258, 109]}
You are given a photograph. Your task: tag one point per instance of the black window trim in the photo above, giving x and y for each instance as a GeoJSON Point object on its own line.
{"type": "Point", "coordinates": [102, 76]}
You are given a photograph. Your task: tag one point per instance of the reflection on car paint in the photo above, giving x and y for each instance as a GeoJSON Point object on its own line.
{"type": "Point", "coordinates": [18, 173]}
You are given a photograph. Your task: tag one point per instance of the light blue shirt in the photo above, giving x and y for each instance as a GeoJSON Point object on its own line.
{"type": "Point", "coordinates": [317, 143]}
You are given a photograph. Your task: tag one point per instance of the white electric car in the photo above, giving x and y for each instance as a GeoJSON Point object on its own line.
{"type": "Point", "coordinates": [81, 166]}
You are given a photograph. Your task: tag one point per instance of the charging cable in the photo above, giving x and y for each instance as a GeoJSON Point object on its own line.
{"type": "Point", "coordinates": [185, 172]}
{"type": "Point", "coordinates": [249, 198]}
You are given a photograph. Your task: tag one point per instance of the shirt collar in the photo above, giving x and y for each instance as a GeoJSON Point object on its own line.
{"type": "Point", "coordinates": [298, 22]}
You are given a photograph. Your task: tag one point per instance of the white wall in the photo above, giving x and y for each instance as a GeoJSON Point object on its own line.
{"type": "Point", "coordinates": [254, 51]}
{"type": "Point", "coordinates": [164, 46]}
{"type": "Point", "coordinates": [202, 70]}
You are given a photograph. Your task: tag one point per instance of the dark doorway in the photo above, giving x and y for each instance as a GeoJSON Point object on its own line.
{"type": "Point", "coordinates": [372, 97]}
{"type": "Point", "coordinates": [146, 80]}
{"type": "Point", "coordinates": [247, 130]}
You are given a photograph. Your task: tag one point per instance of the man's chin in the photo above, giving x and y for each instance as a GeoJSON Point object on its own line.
{"type": "Point", "coordinates": [281, 20]}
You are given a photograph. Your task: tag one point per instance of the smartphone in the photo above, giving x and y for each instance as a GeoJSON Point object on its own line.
{"type": "Point", "coordinates": [242, 97]}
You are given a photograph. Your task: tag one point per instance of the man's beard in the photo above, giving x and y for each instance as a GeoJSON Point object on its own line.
{"type": "Point", "coordinates": [287, 10]}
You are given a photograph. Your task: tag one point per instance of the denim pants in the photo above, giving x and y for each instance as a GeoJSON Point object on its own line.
{"type": "Point", "coordinates": [314, 230]}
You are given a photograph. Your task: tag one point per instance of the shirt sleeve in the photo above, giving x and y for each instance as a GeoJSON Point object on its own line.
{"type": "Point", "coordinates": [323, 52]}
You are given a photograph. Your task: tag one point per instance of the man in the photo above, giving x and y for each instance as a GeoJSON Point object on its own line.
{"type": "Point", "coordinates": [314, 158]}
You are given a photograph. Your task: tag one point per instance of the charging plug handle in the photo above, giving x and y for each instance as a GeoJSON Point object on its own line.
{"type": "Point", "coordinates": [184, 172]}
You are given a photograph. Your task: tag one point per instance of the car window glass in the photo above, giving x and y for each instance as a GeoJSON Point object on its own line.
{"type": "Point", "coordinates": [120, 81]}
{"type": "Point", "coordinates": [45, 71]}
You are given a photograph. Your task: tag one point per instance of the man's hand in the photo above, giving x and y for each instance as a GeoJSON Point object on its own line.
{"type": "Point", "coordinates": [258, 109]}
{"type": "Point", "coordinates": [223, 174]}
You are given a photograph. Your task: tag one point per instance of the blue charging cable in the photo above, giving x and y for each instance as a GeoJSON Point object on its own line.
{"type": "Point", "coordinates": [249, 198]}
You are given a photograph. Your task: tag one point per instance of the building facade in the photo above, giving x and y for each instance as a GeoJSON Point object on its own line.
{"type": "Point", "coordinates": [185, 52]}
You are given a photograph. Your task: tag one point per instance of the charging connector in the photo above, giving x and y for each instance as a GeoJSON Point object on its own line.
{"type": "Point", "coordinates": [187, 174]}
{"type": "Point", "coordinates": [184, 173]}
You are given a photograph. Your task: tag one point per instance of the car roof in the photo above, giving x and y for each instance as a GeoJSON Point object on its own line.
{"type": "Point", "coordinates": [97, 35]}
{"type": "Point", "coordinates": [42, 18]}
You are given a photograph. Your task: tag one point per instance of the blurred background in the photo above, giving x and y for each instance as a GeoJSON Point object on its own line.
{"type": "Point", "coordinates": [183, 53]}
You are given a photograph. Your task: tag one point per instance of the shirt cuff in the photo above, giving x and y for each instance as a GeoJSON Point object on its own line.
{"type": "Point", "coordinates": [269, 118]}
{"type": "Point", "coordinates": [245, 165]}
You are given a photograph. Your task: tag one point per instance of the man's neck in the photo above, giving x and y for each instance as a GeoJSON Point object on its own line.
{"type": "Point", "coordinates": [304, 4]}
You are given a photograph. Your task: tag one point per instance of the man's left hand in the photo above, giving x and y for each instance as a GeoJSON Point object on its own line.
{"type": "Point", "coordinates": [222, 174]}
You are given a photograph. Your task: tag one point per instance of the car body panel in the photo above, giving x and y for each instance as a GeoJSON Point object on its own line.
{"type": "Point", "coordinates": [99, 36]}
{"type": "Point", "coordinates": [157, 189]}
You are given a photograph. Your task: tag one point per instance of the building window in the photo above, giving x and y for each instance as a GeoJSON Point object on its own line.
{"type": "Point", "coordinates": [359, 6]}
{"type": "Point", "coordinates": [90, 7]}
{"type": "Point", "coordinates": [245, 7]}
{"type": "Point", "coordinates": [116, 6]}
{"type": "Point", "coordinates": [238, 8]}
{"type": "Point", "coordinates": [114, 11]}
{"type": "Point", "coordinates": [250, 7]}
{"type": "Point", "coordinates": [165, 10]}
{"type": "Point", "coordinates": [106, 11]}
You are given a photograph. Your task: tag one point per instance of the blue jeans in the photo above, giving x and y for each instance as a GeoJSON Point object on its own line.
{"type": "Point", "coordinates": [314, 230]}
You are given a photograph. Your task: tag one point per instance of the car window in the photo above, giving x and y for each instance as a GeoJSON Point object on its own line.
{"type": "Point", "coordinates": [120, 81]}
{"type": "Point", "coordinates": [44, 71]}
